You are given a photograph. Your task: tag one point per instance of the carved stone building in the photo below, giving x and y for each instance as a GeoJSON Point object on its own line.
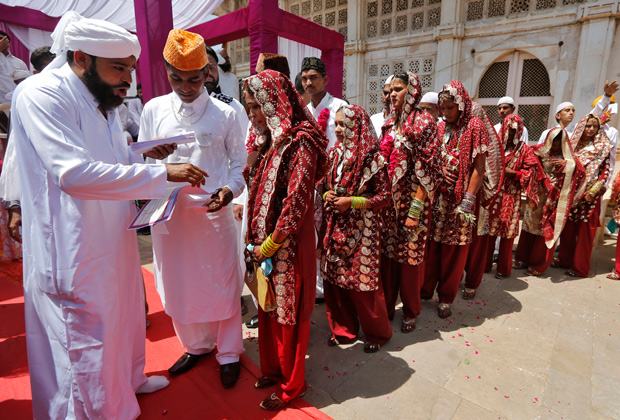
{"type": "Point", "coordinates": [541, 52]}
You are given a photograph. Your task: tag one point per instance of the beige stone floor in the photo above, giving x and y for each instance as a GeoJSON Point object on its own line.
{"type": "Point", "coordinates": [527, 348]}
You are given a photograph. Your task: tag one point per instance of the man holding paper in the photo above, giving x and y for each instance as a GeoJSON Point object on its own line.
{"type": "Point", "coordinates": [84, 303]}
{"type": "Point", "coordinates": [197, 272]}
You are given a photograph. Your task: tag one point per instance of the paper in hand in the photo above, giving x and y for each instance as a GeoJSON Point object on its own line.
{"type": "Point", "coordinates": [146, 146]}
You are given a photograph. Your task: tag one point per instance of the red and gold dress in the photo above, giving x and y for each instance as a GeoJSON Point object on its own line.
{"type": "Point", "coordinates": [349, 242]}
{"type": "Point", "coordinates": [288, 160]}
{"type": "Point", "coordinates": [577, 239]}
{"type": "Point", "coordinates": [505, 210]}
{"type": "Point", "coordinates": [413, 153]}
{"type": "Point", "coordinates": [452, 234]}
{"type": "Point", "coordinates": [543, 224]}
{"type": "Point", "coordinates": [477, 261]}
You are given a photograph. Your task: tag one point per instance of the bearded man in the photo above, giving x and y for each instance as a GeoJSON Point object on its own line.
{"type": "Point", "coordinates": [84, 302]}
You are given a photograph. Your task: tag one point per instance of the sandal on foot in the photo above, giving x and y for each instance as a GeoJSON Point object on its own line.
{"type": "Point", "coordinates": [264, 382]}
{"type": "Point", "coordinates": [469, 294]}
{"type": "Point", "coordinates": [333, 342]}
{"type": "Point", "coordinates": [371, 347]}
{"type": "Point", "coordinates": [444, 311]}
{"type": "Point", "coordinates": [519, 265]}
{"type": "Point", "coordinates": [574, 274]}
{"type": "Point", "coordinates": [500, 276]}
{"type": "Point", "coordinates": [533, 273]}
{"type": "Point", "coordinates": [407, 326]}
{"type": "Point", "coordinates": [556, 263]}
{"type": "Point", "coordinates": [613, 276]}
{"type": "Point", "coordinates": [272, 403]}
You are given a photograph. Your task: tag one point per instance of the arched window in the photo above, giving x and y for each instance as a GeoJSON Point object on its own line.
{"type": "Point", "coordinates": [524, 78]}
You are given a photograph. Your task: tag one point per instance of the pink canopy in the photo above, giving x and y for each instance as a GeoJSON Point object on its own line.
{"type": "Point", "coordinates": [262, 20]}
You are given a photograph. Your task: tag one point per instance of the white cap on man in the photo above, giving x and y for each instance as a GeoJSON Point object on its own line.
{"type": "Point", "coordinates": [506, 100]}
{"type": "Point", "coordinates": [563, 105]}
{"type": "Point", "coordinates": [92, 36]}
{"type": "Point", "coordinates": [430, 98]}
{"type": "Point", "coordinates": [389, 79]}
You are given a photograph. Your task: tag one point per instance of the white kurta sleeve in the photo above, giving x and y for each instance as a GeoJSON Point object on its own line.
{"type": "Point", "coordinates": [9, 179]}
{"type": "Point", "coordinates": [53, 128]}
{"type": "Point", "coordinates": [600, 106]}
{"type": "Point", "coordinates": [237, 156]}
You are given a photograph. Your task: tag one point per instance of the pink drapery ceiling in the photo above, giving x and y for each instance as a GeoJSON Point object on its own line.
{"type": "Point", "coordinates": [262, 20]}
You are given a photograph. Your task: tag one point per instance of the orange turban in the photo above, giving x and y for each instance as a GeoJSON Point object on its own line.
{"type": "Point", "coordinates": [185, 50]}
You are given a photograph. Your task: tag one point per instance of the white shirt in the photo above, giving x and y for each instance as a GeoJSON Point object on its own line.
{"type": "Point", "coordinates": [229, 84]}
{"type": "Point", "coordinates": [135, 107]}
{"type": "Point", "coordinates": [524, 136]}
{"type": "Point", "coordinates": [196, 258]}
{"type": "Point", "coordinates": [377, 121]}
{"type": "Point", "coordinates": [333, 104]}
{"type": "Point", "coordinates": [78, 184]}
{"type": "Point", "coordinates": [569, 130]}
{"type": "Point", "coordinates": [8, 64]}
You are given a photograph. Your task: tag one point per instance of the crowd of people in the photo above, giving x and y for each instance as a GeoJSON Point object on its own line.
{"type": "Point", "coordinates": [325, 200]}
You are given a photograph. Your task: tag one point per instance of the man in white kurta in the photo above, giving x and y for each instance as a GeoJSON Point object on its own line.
{"type": "Point", "coordinates": [314, 79]}
{"type": "Point", "coordinates": [379, 118]}
{"type": "Point", "coordinates": [197, 271]}
{"type": "Point", "coordinates": [84, 304]}
{"type": "Point", "coordinates": [505, 107]}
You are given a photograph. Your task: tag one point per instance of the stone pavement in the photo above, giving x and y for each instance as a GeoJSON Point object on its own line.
{"type": "Point", "coordinates": [527, 348]}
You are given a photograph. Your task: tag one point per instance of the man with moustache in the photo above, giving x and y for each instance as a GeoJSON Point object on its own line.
{"type": "Point", "coordinates": [84, 302]}
{"type": "Point", "coordinates": [505, 107]}
{"type": "Point", "coordinates": [228, 80]}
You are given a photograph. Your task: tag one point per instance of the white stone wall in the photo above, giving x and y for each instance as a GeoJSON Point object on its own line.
{"type": "Point", "coordinates": [464, 38]}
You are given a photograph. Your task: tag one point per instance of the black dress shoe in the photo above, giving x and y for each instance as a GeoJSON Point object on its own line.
{"type": "Point", "coordinates": [229, 373]}
{"type": "Point", "coordinates": [252, 322]}
{"type": "Point", "coordinates": [185, 363]}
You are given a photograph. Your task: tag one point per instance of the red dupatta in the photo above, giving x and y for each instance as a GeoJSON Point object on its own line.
{"type": "Point", "coordinates": [467, 136]}
{"type": "Point", "coordinates": [494, 162]}
{"type": "Point", "coordinates": [560, 198]}
{"type": "Point", "coordinates": [593, 156]}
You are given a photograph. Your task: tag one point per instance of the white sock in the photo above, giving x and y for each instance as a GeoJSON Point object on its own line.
{"type": "Point", "coordinates": [153, 383]}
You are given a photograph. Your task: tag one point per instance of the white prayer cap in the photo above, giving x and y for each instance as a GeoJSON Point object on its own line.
{"type": "Point", "coordinates": [20, 74]}
{"type": "Point", "coordinates": [93, 36]}
{"type": "Point", "coordinates": [430, 98]}
{"type": "Point", "coordinates": [506, 100]}
{"type": "Point", "coordinates": [389, 79]}
{"type": "Point", "coordinates": [563, 105]}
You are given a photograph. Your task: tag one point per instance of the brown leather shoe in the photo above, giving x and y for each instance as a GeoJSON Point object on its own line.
{"type": "Point", "coordinates": [229, 373]}
{"type": "Point", "coordinates": [185, 363]}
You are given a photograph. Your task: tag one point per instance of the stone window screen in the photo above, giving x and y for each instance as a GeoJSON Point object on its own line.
{"type": "Point", "coordinates": [386, 7]}
{"type": "Point", "coordinates": [524, 78]}
{"type": "Point", "coordinates": [545, 4]}
{"type": "Point", "coordinates": [474, 10]}
{"type": "Point", "coordinates": [493, 83]}
{"type": "Point", "coordinates": [401, 24]}
{"type": "Point", "coordinates": [330, 19]}
{"type": "Point", "coordinates": [518, 6]}
{"type": "Point", "coordinates": [414, 66]}
{"type": "Point", "coordinates": [497, 8]}
{"type": "Point", "coordinates": [417, 3]}
{"type": "Point", "coordinates": [535, 80]}
{"type": "Point", "coordinates": [417, 20]}
{"type": "Point", "coordinates": [434, 17]}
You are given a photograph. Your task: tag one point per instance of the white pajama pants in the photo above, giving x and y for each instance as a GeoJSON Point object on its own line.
{"type": "Point", "coordinates": [201, 337]}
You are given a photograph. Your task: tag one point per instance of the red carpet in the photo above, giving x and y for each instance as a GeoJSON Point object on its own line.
{"type": "Point", "coordinates": [196, 395]}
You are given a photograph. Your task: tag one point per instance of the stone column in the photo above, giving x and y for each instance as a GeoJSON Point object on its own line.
{"type": "Point", "coordinates": [448, 36]}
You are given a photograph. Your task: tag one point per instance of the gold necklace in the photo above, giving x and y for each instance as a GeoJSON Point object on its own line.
{"type": "Point", "coordinates": [186, 124]}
